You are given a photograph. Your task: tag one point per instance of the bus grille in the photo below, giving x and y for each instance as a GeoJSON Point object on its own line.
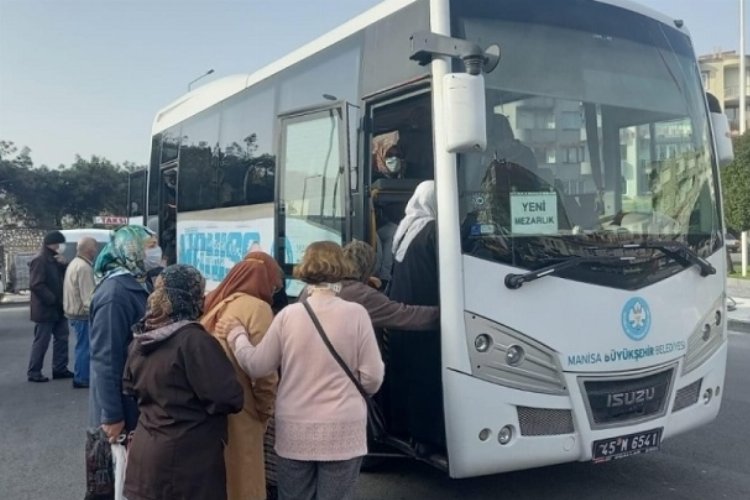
{"type": "Point", "coordinates": [544, 422]}
{"type": "Point", "coordinates": [614, 401]}
{"type": "Point", "coordinates": [687, 396]}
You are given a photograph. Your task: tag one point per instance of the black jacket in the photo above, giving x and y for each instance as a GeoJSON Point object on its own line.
{"type": "Point", "coordinates": [46, 283]}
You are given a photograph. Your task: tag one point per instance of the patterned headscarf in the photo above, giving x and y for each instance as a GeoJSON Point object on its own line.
{"type": "Point", "coordinates": [124, 253]}
{"type": "Point", "coordinates": [380, 146]}
{"type": "Point", "coordinates": [178, 295]}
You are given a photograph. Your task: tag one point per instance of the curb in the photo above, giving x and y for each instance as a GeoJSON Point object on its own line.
{"type": "Point", "coordinates": [738, 325]}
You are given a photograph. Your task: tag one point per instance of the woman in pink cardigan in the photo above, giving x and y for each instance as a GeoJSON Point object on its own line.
{"type": "Point", "coordinates": [321, 418]}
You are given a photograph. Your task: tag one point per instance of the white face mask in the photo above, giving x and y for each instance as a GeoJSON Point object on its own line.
{"type": "Point", "coordinates": [152, 259]}
{"type": "Point", "coordinates": [61, 248]}
{"type": "Point", "coordinates": [393, 164]}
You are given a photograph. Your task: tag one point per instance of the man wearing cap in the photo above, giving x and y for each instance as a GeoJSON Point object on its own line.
{"type": "Point", "coordinates": [46, 274]}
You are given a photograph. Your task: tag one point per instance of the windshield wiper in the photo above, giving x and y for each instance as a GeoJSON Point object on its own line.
{"type": "Point", "coordinates": [679, 252]}
{"type": "Point", "coordinates": [515, 281]}
{"type": "Point", "coordinates": [674, 249]}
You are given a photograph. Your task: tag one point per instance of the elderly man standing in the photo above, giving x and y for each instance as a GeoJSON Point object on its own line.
{"type": "Point", "coordinates": [46, 273]}
{"type": "Point", "coordinates": [77, 290]}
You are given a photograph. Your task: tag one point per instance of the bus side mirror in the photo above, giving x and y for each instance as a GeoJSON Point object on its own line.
{"type": "Point", "coordinates": [465, 114]}
{"type": "Point", "coordinates": [724, 149]}
{"type": "Point", "coordinates": [722, 132]}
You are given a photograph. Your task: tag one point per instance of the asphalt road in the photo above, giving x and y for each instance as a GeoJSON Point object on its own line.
{"type": "Point", "coordinates": [41, 447]}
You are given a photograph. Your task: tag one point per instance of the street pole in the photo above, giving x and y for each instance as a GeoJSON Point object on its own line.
{"type": "Point", "coordinates": [196, 79]}
{"type": "Point", "coordinates": [742, 75]}
{"type": "Point", "coordinates": [743, 125]}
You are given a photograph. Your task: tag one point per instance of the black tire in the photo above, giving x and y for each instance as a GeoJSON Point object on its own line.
{"type": "Point", "coordinates": [372, 464]}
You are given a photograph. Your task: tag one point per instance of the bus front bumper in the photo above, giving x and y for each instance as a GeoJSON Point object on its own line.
{"type": "Point", "coordinates": [551, 429]}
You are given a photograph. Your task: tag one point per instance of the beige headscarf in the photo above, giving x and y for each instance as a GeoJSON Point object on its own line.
{"type": "Point", "coordinates": [380, 146]}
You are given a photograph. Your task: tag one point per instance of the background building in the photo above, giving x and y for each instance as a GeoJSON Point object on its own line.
{"type": "Point", "coordinates": [719, 73]}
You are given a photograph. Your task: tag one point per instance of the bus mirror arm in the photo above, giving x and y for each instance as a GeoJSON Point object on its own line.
{"type": "Point", "coordinates": [425, 45]}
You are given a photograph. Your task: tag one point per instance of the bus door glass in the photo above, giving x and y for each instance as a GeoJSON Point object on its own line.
{"type": "Point", "coordinates": [313, 186]}
{"type": "Point", "coordinates": [137, 197]}
{"type": "Point", "coordinates": [168, 212]}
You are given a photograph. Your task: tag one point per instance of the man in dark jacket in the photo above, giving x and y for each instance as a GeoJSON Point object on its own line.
{"type": "Point", "coordinates": [46, 273]}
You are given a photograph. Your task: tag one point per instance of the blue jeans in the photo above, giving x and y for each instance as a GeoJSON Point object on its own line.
{"type": "Point", "coordinates": [83, 350]}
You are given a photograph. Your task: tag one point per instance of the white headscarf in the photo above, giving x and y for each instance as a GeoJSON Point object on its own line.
{"type": "Point", "coordinates": [421, 209]}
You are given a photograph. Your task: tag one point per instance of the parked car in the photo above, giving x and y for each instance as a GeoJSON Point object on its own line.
{"type": "Point", "coordinates": [73, 236]}
{"type": "Point", "coordinates": [732, 243]}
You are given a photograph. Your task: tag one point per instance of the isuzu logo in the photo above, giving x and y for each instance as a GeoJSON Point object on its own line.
{"type": "Point", "coordinates": [630, 398]}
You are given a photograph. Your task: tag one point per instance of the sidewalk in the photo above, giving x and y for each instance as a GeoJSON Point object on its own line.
{"type": "Point", "coordinates": [12, 298]}
{"type": "Point", "coordinates": [739, 291]}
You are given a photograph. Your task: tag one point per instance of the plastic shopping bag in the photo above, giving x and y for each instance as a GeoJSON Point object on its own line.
{"type": "Point", "coordinates": [119, 464]}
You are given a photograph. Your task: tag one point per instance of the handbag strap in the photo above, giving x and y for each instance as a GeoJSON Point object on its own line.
{"type": "Point", "coordinates": [335, 354]}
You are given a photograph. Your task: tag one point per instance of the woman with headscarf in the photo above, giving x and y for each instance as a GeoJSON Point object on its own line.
{"type": "Point", "coordinates": [118, 302]}
{"type": "Point", "coordinates": [321, 417]}
{"type": "Point", "coordinates": [414, 380]}
{"type": "Point", "coordinates": [185, 387]}
{"type": "Point", "coordinates": [247, 294]}
{"type": "Point", "coordinates": [415, 278]}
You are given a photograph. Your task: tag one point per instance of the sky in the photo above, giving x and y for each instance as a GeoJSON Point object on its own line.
{"type": "Point", "coordinates": [87, 77]}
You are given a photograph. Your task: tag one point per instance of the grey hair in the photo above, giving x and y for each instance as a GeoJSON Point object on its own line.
{"type": "Point", "coordinates": [361, 258]}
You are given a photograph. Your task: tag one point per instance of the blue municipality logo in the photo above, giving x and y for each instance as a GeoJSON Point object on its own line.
{"type": "Point", "coordinates": [636, 318]}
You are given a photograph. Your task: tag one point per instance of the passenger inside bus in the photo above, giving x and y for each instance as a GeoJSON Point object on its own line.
{"type": "Point", "coordinates": [503, 144]}
{"type": "Point", "coordinates": [414, 369]}
{"type": "Point", "coordinates": [389, 163]}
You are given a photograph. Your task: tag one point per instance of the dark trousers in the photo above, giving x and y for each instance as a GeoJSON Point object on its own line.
{"type": "Point", "coordinates": [42, 334]}
{"type": "Point", "coordinates": [83, 350]}
{"type": "Point", "coordinates": [312, 480]}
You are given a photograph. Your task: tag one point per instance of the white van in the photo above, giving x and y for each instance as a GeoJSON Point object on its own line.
{"type": "Point", "coordinates": [73, 236]}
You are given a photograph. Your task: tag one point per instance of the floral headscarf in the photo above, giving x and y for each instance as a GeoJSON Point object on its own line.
{"type": "Point", "coordinates": [177, 300]}
{"type": "Point", "coordinates": [124, 253]}
{"type": "Point", "coordinates": [380, 146]}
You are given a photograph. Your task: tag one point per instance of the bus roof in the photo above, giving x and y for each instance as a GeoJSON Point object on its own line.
{"type": "Point", "coordinates": [207, 95]}
{"type": "Point", "coordinates": [214, 92]}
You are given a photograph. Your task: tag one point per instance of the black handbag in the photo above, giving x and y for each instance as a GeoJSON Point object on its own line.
{"type": "Point", "coordinates": [375, 419]}
{"type": "Point", "coordinates": [100, 477]}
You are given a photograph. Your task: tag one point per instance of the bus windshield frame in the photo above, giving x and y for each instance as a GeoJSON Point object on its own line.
{"type": "Point", "coordinates": [598, 136]}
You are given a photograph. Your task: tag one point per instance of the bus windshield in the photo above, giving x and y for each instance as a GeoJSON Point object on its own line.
{"type": "Point", "coordinates": [598, 136]}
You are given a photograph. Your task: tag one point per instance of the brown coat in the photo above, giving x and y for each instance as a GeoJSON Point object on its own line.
{"type": "Point", "coordinates": [185, 387]}
{"type": "Point", "coordinates": [244, 453]}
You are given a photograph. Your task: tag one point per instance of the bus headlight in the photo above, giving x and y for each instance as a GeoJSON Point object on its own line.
{"type": "Point", "coordinates": [706, 338]}
{"type": "Point", "coordinates": [514, 355]}
{"type": "Point", "coordinates": [483, 342]}
{"type": "Point", "coordinates": [504, 356]}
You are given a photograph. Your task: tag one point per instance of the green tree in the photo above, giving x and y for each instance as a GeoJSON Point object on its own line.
{"type": "Point", "coordinates": [735, 181]}
{"type": "Point", "coordinates": [43, 197]}
{"type": "Point", "coordinates": [93, 187]}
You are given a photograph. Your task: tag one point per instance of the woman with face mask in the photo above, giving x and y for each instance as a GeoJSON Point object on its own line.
{"type": "Point", "coordinates": [118, 302]}
{"type": "Point", "coordinates": [153, 260]}
{"type": "Point", "coordinates": [394, 162]}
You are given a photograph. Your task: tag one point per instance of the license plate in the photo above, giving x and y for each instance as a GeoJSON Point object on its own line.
{"type": "Point", "coordinates": [624, 446]}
